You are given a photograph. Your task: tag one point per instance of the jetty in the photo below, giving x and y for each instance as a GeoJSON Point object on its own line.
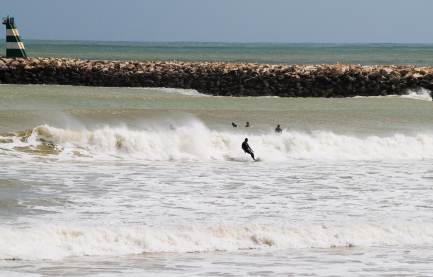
{"type": "Point", "coordinates": [218, 78]}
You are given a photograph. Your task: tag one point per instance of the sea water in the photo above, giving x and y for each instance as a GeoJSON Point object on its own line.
{"type": "Point", "coordinates": [153, 182]}
{"type": "Point", "coordinates": [288, 53]}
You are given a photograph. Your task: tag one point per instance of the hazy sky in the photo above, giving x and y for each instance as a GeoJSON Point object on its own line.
{"type": "Point", "coordinates": [225, 20]}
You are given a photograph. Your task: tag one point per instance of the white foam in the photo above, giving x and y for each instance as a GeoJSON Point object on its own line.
{"type": "Point", "coordinates": [194, 141]}
{"type": "Point", "coordinates": [17, 274]}
{"type": "Point", "coordinates": [420, 94]}
{"type": "Point", "coordinates": [187, 92]}
{"type": "Point", "coordinates": [57, 242]}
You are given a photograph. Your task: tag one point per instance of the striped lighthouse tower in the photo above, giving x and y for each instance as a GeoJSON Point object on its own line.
{"type": "Point", "coordinates": [14, 46]}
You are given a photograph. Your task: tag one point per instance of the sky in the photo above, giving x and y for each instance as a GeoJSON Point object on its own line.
{"type": "Point", "coordinates": [334, 21]}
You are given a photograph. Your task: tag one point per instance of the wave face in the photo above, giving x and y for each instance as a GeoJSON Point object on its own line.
{"type": "Point", "coordinates": [194, 141]}
{"type": "Point", "coordinates": [57, 242]}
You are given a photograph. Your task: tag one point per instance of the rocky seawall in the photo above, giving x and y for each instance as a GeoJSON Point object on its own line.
{"type": "Point", "coordinates": [215, 78]}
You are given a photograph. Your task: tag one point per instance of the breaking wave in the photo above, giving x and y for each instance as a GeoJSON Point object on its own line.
{"type": "Point", "coordinates": [420, 94]}
{"type": "Point", "coordinates": [194, 141]}
{"type": "Point", "coordinates": [186, 92]}
{"type": "Point", "coordinates": [57, 242]}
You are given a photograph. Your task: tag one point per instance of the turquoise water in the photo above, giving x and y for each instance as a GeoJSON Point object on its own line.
{"type": "Point", "coordinates": [291, 53]}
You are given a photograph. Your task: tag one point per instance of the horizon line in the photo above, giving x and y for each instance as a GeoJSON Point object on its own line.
{"type": "Point", "coordinates": [226, 42]}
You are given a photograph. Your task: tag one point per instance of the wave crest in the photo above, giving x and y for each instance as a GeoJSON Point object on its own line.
{"type": "Point", "coordinates": [194, 141]}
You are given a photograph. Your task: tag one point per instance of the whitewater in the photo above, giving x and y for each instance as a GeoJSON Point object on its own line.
{"type": "Point", "coordinates": [195, 142]}
{"type": "Point", "coordinates": [153, 182]}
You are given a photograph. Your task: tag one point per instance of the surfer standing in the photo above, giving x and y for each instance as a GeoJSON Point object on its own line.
{"type": "Point", "coordinates": [247, 149]}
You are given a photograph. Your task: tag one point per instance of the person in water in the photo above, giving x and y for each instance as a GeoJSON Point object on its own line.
{"type": "Point", "coordinates": [234, 125]}
{"type": "Point", "coordinates": [247, 149]}
{"type": "Point", "coordinates": [247, 125]}
{"type": "Point", "coordinates": [278, 129]}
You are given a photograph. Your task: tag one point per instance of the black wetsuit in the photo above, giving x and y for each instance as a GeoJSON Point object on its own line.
{"type": "Point", "coordinates": [248, 149]}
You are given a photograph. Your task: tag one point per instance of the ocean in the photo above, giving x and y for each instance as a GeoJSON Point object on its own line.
{"type": "Point", "coordinates": [287, 53]}
{"type": "Point", "coordinates": [153, 182]}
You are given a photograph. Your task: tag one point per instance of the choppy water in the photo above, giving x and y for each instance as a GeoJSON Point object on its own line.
{"type": "Point", "coordinates": [290, 53]}
{"type": "Point", "coordinates": [152, 182]}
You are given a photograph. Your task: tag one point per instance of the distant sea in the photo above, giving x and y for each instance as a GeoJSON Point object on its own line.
{"type": "Point", "coordinates": [288, 53]}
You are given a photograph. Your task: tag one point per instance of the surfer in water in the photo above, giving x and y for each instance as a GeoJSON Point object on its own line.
{"type": "Point", "coordinates": [247, 149]}
{"type": "Point", "coordinates": [278, 129]}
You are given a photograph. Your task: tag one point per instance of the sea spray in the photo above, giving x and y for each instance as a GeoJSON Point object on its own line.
{"type": "Point", "coordinates": [194, 141]}
{"type": "Point", "coordinates": [416, 94]}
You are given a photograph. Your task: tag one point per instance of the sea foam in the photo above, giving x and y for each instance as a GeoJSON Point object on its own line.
{"type": "Point", "coordinates": [194, 141]}
{"type": "Point", "coordinates": [60, 241]}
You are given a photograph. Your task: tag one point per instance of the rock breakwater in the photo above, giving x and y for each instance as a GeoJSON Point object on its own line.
{"type": "Point", "coordinates": [215, 78]}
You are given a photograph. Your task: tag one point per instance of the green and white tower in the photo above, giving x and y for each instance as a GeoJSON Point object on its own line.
{"type": "Point", "coordinates": [14, 46]}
